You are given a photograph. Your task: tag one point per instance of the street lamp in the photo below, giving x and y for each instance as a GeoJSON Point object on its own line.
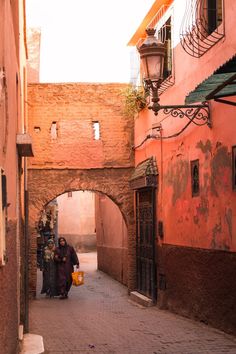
{"type": "Point", "coordinates": [152, 55]}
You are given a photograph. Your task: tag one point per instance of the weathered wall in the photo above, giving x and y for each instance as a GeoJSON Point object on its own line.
{"type": "Point", "coordinates": [199, 284]}
{"type": "Point", "coordinates": [205, 223]}
{"type": "Point", "coordinates": [68, 158]}
{"type": "Point", "coordinates": [112, 239]}
{"type": "Point", "coordinates": [11, 117]}
{"type": "Point", "coordinates": [74, 108]}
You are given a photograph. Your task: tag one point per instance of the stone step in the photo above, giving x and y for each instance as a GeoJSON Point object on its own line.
{"type": "Point", "coordinates": [141, 299]}
{"type": "Point", "coordinates": [32, 344]}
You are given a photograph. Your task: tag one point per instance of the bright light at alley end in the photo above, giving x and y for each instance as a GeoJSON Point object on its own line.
{"type": "Point", "coordinates": [152, 55]}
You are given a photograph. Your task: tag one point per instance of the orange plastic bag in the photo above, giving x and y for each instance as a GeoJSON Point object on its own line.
{"type": "Point", "coordinates": [77, 278]}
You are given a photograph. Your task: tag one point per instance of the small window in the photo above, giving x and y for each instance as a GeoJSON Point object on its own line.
{"type": "Point", "coordinates": [234, 167]}
{"type": "Point", "coordinates": [37, 129]}
{"type": "Point", "coordinates": [96, 130]}
{"type": "Point", "coordinates": [195, 177]}
{"type": "Point", "coordinates": [3, 205]}
{"type": "Point", "coordinates": [69, 194]}
{"type": "Point", "coordinates": [53, 130]}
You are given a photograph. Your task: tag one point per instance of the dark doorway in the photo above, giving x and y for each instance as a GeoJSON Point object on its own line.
{"type": "Point", "coordinates": [145, 243]}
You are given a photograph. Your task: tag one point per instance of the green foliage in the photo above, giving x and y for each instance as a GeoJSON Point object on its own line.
{"type": "Point", "coordinates": [135, 100]}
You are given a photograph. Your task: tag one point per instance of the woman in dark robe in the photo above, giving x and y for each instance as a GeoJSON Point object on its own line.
{"type": "Point", "coordinates": [49, 270]}
{"type": "Point", "coordinates": [66, 258]}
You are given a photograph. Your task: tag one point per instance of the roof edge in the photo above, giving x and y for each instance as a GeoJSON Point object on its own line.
{"type": "Point", "coordinates": [140, 32]}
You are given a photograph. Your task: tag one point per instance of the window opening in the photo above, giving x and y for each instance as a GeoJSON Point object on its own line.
{"type": "Point", "coordinates": [96, 130]}
{"type": "Point", "coordinates": [37, 129]}
{"type": "Point", "coordinates": [164, 34]}
{"type": "Point", "coordinates": [214, 14]}
{"type": "Point", "coordinates": [195, 177]}
{"type": "Point", "coordinates": [69, 194]}
{"type": "Point", "coordinates": [200, 29]}
{"type": "Point", "coordinates": [234, 167]}
{"type": "Point", "coordinates": [53, 130]}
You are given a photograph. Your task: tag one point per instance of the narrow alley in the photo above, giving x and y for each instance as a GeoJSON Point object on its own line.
{"type": "Point", "coordinates": [99, 317]}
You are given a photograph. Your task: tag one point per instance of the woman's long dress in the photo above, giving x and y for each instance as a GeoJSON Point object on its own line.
{"type": "Point", "coordinates": [65, 269]}
{"type": "Point", "coordinates": [49, 274]}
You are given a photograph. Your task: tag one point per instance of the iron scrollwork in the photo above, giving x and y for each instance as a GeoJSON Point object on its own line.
{"type": "Point", "coordinates": [197, 114]}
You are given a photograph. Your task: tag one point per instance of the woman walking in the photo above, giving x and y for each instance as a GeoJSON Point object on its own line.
{"type": "Point", "coordinates": [66, 258]}
{"type": "Point", "coordinates": [49, 270]}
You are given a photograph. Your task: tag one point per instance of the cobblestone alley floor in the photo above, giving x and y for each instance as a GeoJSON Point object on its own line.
{"type": "Point", "coordinates": [98, 317]}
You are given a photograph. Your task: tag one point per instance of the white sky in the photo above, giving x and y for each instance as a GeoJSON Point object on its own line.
{"type": "Point", "coordinates": [86, 40]}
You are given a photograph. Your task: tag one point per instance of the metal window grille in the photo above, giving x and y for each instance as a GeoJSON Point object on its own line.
{"type": "Point", "coordinates": [201, 26]}
{"type": "Point", "coordinates": [195, 178]}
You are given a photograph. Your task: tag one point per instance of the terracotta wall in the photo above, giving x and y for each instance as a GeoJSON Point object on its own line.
{"type": "Point", "coordinates": [112, 238]}
{"type": "Point", "coordinates": [68, 158]}
{"type": "Point", "coordinates": [10, 125]}
{"type": "Point", "coordinates": [61, 120]}
{"type": "Point", "coordinates": [203, 226]}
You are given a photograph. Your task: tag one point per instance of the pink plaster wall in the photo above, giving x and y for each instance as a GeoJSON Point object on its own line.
{"type": "Point", "coordinates": [206, 221]}
{"type": "Point", "coordinates": [112, 238]}
{"type": "Point", "coordinates": [76, 215]}
{"type": "Point", "coordinates": [12, 57]}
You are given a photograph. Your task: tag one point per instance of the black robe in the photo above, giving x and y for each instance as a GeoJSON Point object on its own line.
{"type": "Point", "coordinates": [65, 268]}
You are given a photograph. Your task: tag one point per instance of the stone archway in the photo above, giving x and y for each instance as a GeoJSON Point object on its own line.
{"type": "Point", "coordinates": [45, 185]}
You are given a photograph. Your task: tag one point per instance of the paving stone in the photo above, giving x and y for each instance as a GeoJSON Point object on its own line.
{"type": "Point", "coordinates": [99, 318]}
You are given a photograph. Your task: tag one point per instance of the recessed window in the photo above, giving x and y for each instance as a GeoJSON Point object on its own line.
{"type": "Point", "coordinates": [195, 178]}
{"type": "Point", "coordinates": [53, 130]}
{"type": "Point", "coordinates": [164, 34]}
{"type": "Point", "coordinates": [69, 194]}
{"type": "Point", "coordinates": [234, 167]}
{"type": "Point", "coordinates": [96, 130]}
{"type": "Point", "coordinates": [37, 129]}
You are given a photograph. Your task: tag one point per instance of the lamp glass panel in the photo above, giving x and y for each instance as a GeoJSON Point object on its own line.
{"type": "Point", "coordinates": [152, 67]}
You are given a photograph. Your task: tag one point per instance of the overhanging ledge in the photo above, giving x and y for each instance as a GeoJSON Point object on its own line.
{"type": "Point", "coordinates": [24, 145]}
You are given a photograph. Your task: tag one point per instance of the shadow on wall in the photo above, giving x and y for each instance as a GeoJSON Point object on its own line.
{"type": "Point", "coordinates": [82, 243]}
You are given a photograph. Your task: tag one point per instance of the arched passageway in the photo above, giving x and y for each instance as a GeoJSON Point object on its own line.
{"type": "Point", "coordinates": [91, 223]}
{"type": "Point", "coordinates": [46, 185]}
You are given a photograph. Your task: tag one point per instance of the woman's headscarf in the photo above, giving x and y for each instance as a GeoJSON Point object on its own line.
{"type": "Point", "coordinates": [62, 249]}
{"type": "Point", "coordinates": [49, 253]}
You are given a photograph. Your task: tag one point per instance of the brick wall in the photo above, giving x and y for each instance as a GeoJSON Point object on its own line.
{"type": "Point", "coordinates": [67, 157]}
{"type": "Point", "coordinates": [73, 108]}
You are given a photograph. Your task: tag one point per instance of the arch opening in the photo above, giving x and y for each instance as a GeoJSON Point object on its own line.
{"type": "Point", "coordinates": [90, 222]}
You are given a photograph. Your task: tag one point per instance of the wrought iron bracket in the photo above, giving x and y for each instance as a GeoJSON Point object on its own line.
{"type": "Point", "coordinates": [197, 114]}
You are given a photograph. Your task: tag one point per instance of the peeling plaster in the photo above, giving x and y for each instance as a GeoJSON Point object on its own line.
{"type": "Point", "coordinates": [205, 148]}
{"type": "Point", "coordinates": [228, 218]}
{"type": "Point", "coordinates": [217, 229]}
{"type": "Point", "coordinates": [203, 208]}
{"type": "Point", "coordinates": [177, 177]}
{"type": "Point", "coordinates": [219, 163]}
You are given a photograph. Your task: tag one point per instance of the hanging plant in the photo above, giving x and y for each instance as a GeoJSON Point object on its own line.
{"type": "Point", "coordinates": [135, 100]}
